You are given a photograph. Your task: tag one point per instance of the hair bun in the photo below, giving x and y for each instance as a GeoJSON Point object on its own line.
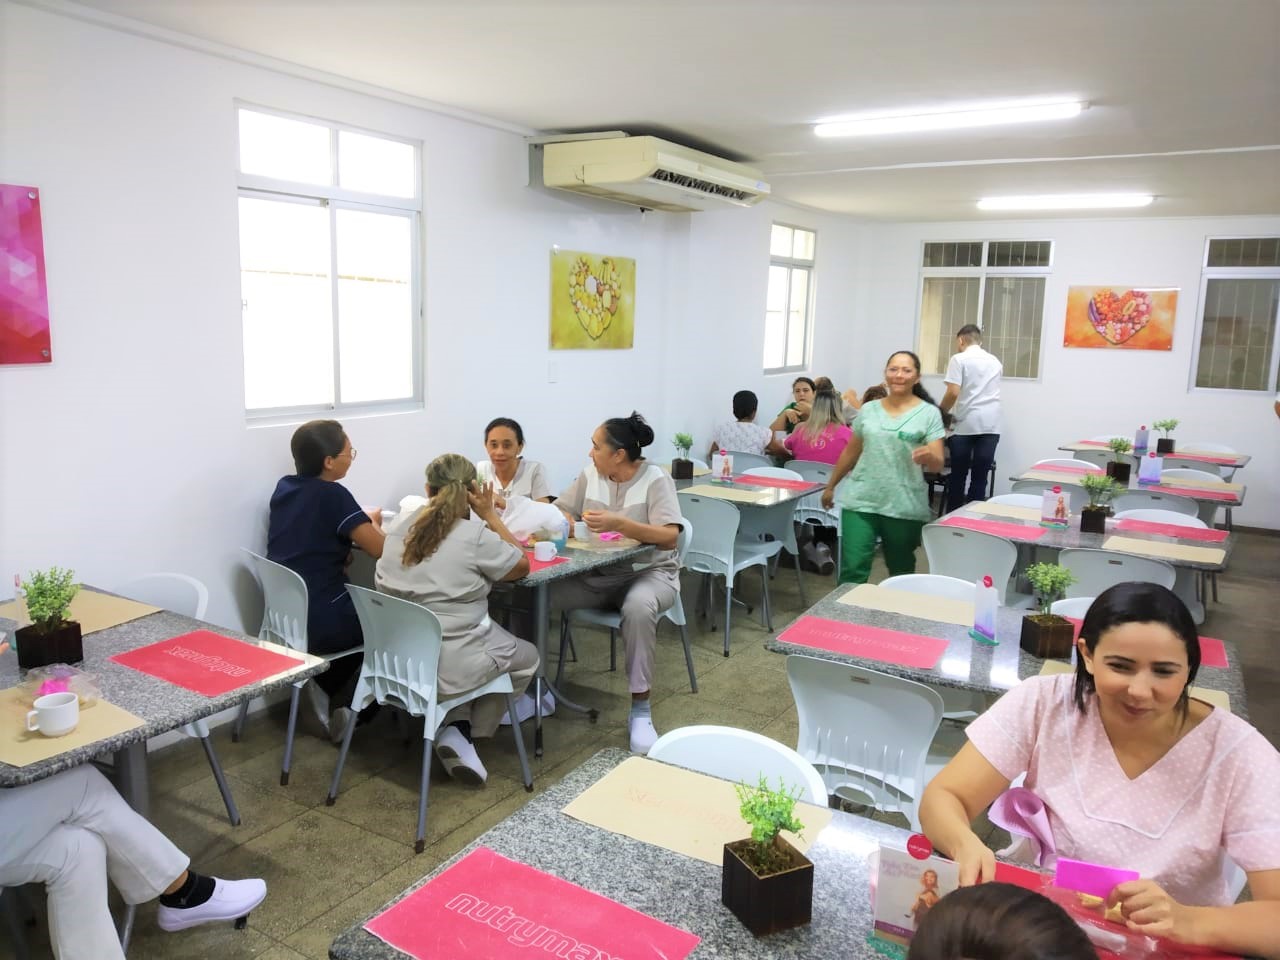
{"type": "Point", "coordinates": [643, 432]}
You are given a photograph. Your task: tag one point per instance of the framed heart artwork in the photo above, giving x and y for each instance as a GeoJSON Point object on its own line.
{"type": "Point", "coordinates": [1127, 318]}
{"type": "Point", "coordinates": [593, 301]}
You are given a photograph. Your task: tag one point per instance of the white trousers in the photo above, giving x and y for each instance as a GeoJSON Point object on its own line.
{"type": "Point", "coordinates": [70, 832]}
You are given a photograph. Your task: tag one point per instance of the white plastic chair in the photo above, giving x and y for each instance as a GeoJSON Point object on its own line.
{"type": "Point", "coordinates": [284, 621]}
{"type": "Point", "coordinates": [612, 619]}
{"type": "Point", "coordinates": [1076, 495]}
{"type": "Point", "coordinates": [1017, 500]}
{"type": "Point", "coordinates": [1227, 472]}
{"type": "Point", "coordinates": [1152, 515]}
{"type": "Point", "coordinates": [699, 465]}
{"type": "Point", "coordinates": [402, 642]}
{"type": "Point", "coordinates": [1098, 456]}
{"type": "Point", "coordinates": [1190, 584]}
{"type": "Point", "coordinates": [1064, 462]}
{"type": "Point", "coordinates": [932, 585]}
{"type": "Point", "coordinates": [1151, 500]}
{"type": "Point", "coordinates": [1072, 607]}
{"type": "Point", "coordinates": [716, 551]}
{"type": "Point", "coordinates": [188, 596]}
{"type": "Point", "coordinates": [1096, 570]}
{"type": "Point", "coordinates": [776, 523]}
{"type": "Point", "coordinates": [741, 756]}
{"type": "Point", "coordinates": [970, 555]}
{"type": "Point", "coordinates": [1206, 510]}
{"type": "Point", "coordinates": [743, 462]}
{"type": "Point", "coordinates": [810, 509]}
{"type": "Point", "coordinates": [870, 735]}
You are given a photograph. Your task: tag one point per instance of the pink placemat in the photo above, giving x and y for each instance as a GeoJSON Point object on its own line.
{"type": "Point", "coordinates": [1172, 530]}
{"type": "Point", "coordinates": [1203, 458]}
{"type": "Point", "coordinates": [1213, 652]}
{"type": "Point", "coordinates": [535, 564]}
{"type": "Point", "coordinates": [1092, 443]}
{"type": "Point", "coordinates": [780, 482]}
{"type": "Point", "coordinates": [1010, 531]}
{"type": "Point", "coordinates": [870, 643]}
{"type": "Point", "coordinates": [206, 662]}
{"type": "Point", "coordinates": [1061, 468]}
{"type": "Point", "coordinates": [488, 906]}
{"type": "Point", "coordinates": [1203, 493]}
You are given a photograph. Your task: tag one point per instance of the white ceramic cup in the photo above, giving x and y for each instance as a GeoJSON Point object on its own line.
{"type": "Point", "coordinates": [55, 714]}
{"type": "Point", "coordinates": [581, 531]}
{"type": "Point", "coordinates": [544, 550]}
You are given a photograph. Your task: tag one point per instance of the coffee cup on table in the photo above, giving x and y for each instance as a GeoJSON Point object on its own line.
{"type": "Point", "coordinates": [580, 530]}
{"type": "Point", "coordinates": [55, 714]}
{"type": "Point", "coordinates": [544, 550]}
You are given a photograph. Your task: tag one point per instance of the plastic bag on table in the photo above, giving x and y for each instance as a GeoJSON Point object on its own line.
{"type": "Point", "coordinates": [1114, 941]}
{"type": "Point", "coordinates": [62, 678]}
{"type": "Point", "coordinates": [525, 517]}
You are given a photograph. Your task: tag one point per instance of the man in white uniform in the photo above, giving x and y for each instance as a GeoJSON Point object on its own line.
{"type": "Point", "coordinates": [973, 397]}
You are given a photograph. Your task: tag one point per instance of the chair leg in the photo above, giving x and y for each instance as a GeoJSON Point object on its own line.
{"type": "Point", "coordinates": [342, 759]}
{"type": "Point", "coordinates": [420, 841]}
{"type": "Point", "coordinates": [11, 903]}
{"type": "Point", "coordinates": [288, 734]}
{"type": "Point", "coordinates": [565, 640]}
{"type": "Point", "coordinates": [520, 751]}
{"type": "Point", "coordinates": [126, 926]}
{"type": "Point", "coordinates": [613, 650]}
{"type": "Point", "coordinates": [232, 813]}
{"type": "Point", "coordinates": [688, 658]}
{"type": "Point", "coordinates": [237, 730]}
{"type": "Point", "coordinates": [800, 582]}
{"type": "Point", "coordinates": [1213, 579]}
{"type": "Point", "coordinates": [728, 609]}
{"type": "Point", "coordinates": [766, 610]}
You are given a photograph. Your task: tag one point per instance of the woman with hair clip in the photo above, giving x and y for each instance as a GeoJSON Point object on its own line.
{"type": "Point", "coordinates": [448, 560]}
{"type": "Point", "coordinates": [619, 492]}
{"type": "Point", "coordinates": [823, 436]}
{"type": "Point", "coordinates": [998, 921]}
{"type": "Point", "coordinates": [894, 442]}
{"type": "Point", "coordinates": [1134, 773]}
{"type": "Point", "coordinates": [509, 472]}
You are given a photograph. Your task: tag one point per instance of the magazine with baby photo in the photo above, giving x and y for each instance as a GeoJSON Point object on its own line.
{"type": "Point", "coordinates": [906, 890]}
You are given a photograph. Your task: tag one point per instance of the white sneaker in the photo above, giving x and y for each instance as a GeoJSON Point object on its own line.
{"type": "Point", "coordinates": [524, 708]}
{"type": "Point", "coordinates": [319, 701]}
{"type": "Point", "coordinates": [643, 734]}
{"type": "Point", "coordinates": [460, 758]}
{"type": "Point", "coordinates": [230, 900]}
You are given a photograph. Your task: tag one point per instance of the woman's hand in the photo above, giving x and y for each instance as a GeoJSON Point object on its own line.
{"type": "Point", "coordinates": [1148, 909]}
{"type": "Point", "coordinates": [3, 646]}
{"type": "Point", "coordinates": [828, 497]}
{"type": "Point", "coordinates": [977, 861]}
{"type": "Point", "coordinates": [792, 415]}
{"type": "Point", "coordinates": [481, 499]}
{"type": "Point", "coordinates": [602, 521]}
{"type": "Point", "coordinates": [921, 455]}
{"type": "Point", "coordinates": [804, 408]}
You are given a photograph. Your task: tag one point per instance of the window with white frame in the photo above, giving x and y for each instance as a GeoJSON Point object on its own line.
{"type": "Point", "coordinates": [789, 302]}
{"type": "Point", "coordinates": [997, 284]}
{"type": "Point", "coordinates": [1239, 300]}
{"type": "Point", "coordinates": [329, 266]}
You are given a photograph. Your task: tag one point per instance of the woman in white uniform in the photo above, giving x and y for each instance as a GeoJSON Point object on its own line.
{"type": "Point", "coordinates": [509, 472]}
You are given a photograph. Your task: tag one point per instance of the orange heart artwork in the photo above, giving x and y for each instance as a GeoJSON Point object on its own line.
{"type": "Point", "coordinates": [592, 301]}
{"type": "Point", "coordinates": [1129, 318]}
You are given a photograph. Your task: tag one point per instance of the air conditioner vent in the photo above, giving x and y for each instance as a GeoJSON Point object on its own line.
{"type": "Point", "coordinates": [703, 186]}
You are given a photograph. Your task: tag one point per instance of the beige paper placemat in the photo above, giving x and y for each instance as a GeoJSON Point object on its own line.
{"type": "Point", "coordinates": [1005, 510]}
{"type": "Point", "coordinates": [1052, 476]}
{"type": "Point", "coordinates": [594, 544]}
{"type": "Point", "coordinates": [679, 810]}
{"type": "Point", "coordinates": [1199, 484]}
{"type": "Point", "coordinates": [697, 471]}
{"type": "Point", "coordinates": [727, 493]}
{"type": "Point", "coordinates": [94, 611]}
{"type": "Point", "coordinates": [1170, 551]}
{"type": "Point", "coordinates": [940, 609]}
{"type": "Point", "coordinates": [20, 748]}
{"type": "Point", "coordinates": [1216, 697]}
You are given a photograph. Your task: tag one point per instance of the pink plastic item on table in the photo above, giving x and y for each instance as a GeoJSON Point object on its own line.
{"type": "Point", "coordinates": [1172, 530]}
{"type": "Point", "coordinates": [997, 528]}
{"type": "Point", "coordinates": [611, 535]}
{"type": "Point", "coordinates": [535, 564]}
{"type": "Point", "coordinates": [870, 643]}
{"type": "Point", "coordinates": [1091, 878]}
{"type": "Point", "coordinates": [53, 686]}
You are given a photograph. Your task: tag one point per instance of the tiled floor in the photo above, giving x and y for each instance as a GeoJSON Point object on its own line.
{"type": "Point", "coordinates": [329, 867]}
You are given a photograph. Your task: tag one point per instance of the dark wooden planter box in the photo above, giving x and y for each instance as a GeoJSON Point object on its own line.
{"type": "Point", "coordinates": [41, 649]}
{"type": "Point", "coordinates": [1093, 520]}
{"type": "Point", "coordinates": [1164, 445]}
{"type": "Point", "coordinates": [681, 469]}
{"type": "Point", "coordinates": [1047, 636]}
{"type": "Point", "coordinates": [768, 904]}
{"type": "Point", "coordinates": [1119, 472]}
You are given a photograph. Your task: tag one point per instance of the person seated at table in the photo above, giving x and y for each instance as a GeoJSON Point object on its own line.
{"type": "Point", "coordinates": [802, 390]}
{"type": "Point", "coordinates": [823, 436]}
{"type": "Point", "coordinates": [894, 441]}
{"type": "Point", "coordinates": [998, 921]}
{"type": "Point", "coordinates": [447, 556]}
{"type": "Point", "coordinates": [742, 434]}
{"type": "Point", "coordinates": [1134, 773]}
{"type": "Point", "coordinates": [619, 492]}
{"type": "Point", "coordinates": [70, 831]}
{"type": "Point", "coordinates": [877, 392]}
{"type": "Point", "coordinates": [314, 523]}
{"type": "Point", "coordinates": [509, 472]}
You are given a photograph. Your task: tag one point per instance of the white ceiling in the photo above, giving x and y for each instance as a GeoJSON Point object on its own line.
{"type": "Point", "coordinates": [1185, 94]}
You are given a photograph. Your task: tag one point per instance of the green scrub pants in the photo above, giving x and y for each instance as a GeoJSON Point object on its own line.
{"type": "Point", "coordinates": [859, 531]}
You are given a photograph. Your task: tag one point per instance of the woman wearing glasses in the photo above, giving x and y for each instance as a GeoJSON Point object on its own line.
{"type": "Point", "coordinates": [895, 440]}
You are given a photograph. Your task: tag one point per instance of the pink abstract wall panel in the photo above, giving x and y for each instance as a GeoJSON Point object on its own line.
{"type": "Point", "coordinates": [24, 296]}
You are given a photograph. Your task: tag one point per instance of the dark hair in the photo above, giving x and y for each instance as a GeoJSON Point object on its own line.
{"type": "Point", "coordinates": [970, 332]}
{"type": "Point", "coordinates": [745, 403]}
{"type": "Point", "coordinates": [998, 921]}
{"type": "Point", "coordinates": [812, 386]}
{"type": "Point", "coordinates": [822, 383]}
{"type": "Point", "coordinates": [878, 392]}
{"type": "Point", "coordinates": [628, 434]}
{"type": "Point", "coordinates": [509, 424]}
{"type": "Point", "coordinates": [1137, 603]}
{"type": "Point", "coordinates": [313, 442]}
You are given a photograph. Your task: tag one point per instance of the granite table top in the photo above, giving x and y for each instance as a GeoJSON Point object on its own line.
{"type": "Point", "coordinates": [583, 560]}
{"type": "Point", "coordinates": [1073, 479]}
{"type": "Point", "coordinates": [675, 889]}
{"type": "Point", "coordinates": [969, 665]}
{"type": "Point", "coordinates": [766, 496]}
{"type": "Point", "coordinates": [160, 705]}
{"type": "Point", "coordinates": [1238, 460]}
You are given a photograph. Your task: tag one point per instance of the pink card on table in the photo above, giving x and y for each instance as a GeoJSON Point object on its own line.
{"type": "Point", "coordinates": [783, 483]}
{"type": "Point", "coordinates": [1091, 878]}
{"type": "Point", "coordinates": [535, 564]}
{"type": "Point", "coordinates": [488, 906]}
{"type": "Point", "coordinates": [1172, 530]}
{"type": "Point", "coordinates": [206, 662]}
{"type": "Point", "coordinates": [1203, 493]}
{"type": "Point", "coordinates": [1213, 653]}
{"type": "Point", "coordinates": [997, 528]}
{"type": "Point", "coordinates": [870, 643]}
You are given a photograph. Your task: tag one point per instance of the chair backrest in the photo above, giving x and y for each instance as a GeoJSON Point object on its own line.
{"type": "Point", "coordinates": [1017, 499]}
{"type": "Point", "coordinates": [1065, 462]}
{"type": "Point", "coordinates": [1098, 456]}
{"type": "Point", "coordinates": [1191, 473]}
{"type": "Point", "coordinates": [1175, 462]}
{"type": "Point", "coordinates": [775, 473]}
{"type": "Point", "coordinates": [699, 465]}
{"type": "Point", "coordinates": [1072, 607]}
{"type": "Point", "coordinates": [683, 539]}
{"type": "Point", "coordinates": [1112, 436]}
{"type": "Point", "coordinates": [970, 555]}
{"type": "Point", "coordinates": [1226, 472]}
{"type": "Point", "coordinates": [1096, 570]}
{"type": "Point", "coordinates": [812, 470]}
{"type": "Point", "coordinates": [714, 528]}
{"type": "Point", "coordinates": [741, 756]}
{"type": "Point", "coordinates": [1161, 516]}
{"type": "Point", "coordinates": [1076, 495]}
{"type": "Point", "coordinates": [745, 461]}
{"type": "Point", "coordinates": [284, 594]}
{"type": "Point", "coordinates": [1150, 500]}
{"type": "Point", "coordinates": [169, 591]}
{"type": "Point", "coordinates": [931, 584]}
{"type": "Point", "coordinates": [402, 643]}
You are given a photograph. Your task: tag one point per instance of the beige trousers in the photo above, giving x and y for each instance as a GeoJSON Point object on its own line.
{"type": "Point", "coordinates": [472, 662]}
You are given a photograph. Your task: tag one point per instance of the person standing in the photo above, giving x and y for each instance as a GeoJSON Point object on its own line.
{"type": "Point", "coordinates": [973, 390]}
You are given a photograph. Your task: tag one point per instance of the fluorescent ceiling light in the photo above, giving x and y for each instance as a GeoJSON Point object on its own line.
{"type": "Point", "coordinates": [1067, 201]}
{"type": "Point", "coordinates": [992, 114]}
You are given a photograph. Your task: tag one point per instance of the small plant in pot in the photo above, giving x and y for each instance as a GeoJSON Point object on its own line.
{"type": "Point", "coordinates": [1100, 488]}
{"type": "Point", "coordinates": [682, 466]}
{"type": "Point", "coordinates": [1165, 443]}
{"type": "Point", "coordinates": [1119, 467]}
{"type": "Point", "coordinates": [766, 882]}
{"type": "Point", "coordinates": [1046, 634]}
{"type": "Point", "coordinates": [51, 638]}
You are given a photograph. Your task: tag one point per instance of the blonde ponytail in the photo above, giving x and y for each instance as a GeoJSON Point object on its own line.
{"type": "Point", "coordinates": [449, 477]}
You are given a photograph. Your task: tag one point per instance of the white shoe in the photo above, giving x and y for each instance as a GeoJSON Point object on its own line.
{"type": "Point", "coordinates": [524, 708]}
{"type": "Point", "coordinates": [319, 701]}
{"type": "Point", "coordinates": [460, 758]}
{"type": "Point", "coordinates": [231, 900]}
{"type": "Point", "coordinates": [643, 734]}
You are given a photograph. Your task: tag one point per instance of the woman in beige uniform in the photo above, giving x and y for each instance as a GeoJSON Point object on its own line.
{"type": "Point", "coordinates": [620, 492]}
{"type": "Point", "coordinates": [448, 560]}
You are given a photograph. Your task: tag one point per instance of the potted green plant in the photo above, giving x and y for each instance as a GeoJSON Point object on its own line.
{"type": "Point", "coordinates": [766, 882]}
{"type": "Point", "coordinates": [1119, 467]}
{"type": "Point", "coordinates": [1100, 488]}
{"type": "Point", "coordinates": [1046, 634]}
{"type": "Point", "coordinates": [682, 466]}
{"type": "Point", "coordinates": [51, 638]}
{"type": "Point", "coordinates": [1165, 444]}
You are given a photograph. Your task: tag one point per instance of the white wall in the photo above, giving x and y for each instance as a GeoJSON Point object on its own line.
{"type": "Point", "coordinates": [1086, 392]}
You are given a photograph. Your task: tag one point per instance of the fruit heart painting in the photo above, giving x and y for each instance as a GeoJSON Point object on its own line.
{"type": "Point", "coordinates": [1129, 318]}
{"type": "Point", "coordinates": [592, 301]}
